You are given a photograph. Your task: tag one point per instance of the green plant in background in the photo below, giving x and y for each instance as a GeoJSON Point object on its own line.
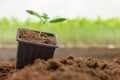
{"type": "Point", "coordinates": [77, 30]}
{"type": "Point", "coordinates": [45, 18]}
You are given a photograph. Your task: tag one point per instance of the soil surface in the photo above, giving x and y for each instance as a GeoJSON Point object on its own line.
{"type": "Point", "coordinates": [35, 36]}
{"type": "Point", "coordinates": [70, 68]}
{"type": "Point", "coordinates": [6, 69]}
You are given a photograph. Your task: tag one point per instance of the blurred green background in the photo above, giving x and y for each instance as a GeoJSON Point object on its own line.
{"type": "Point", "coordinates": [72, 31]}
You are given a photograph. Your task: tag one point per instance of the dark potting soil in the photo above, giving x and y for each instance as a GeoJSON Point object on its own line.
{"type": "Point", "coordinates": [37, 37]}
{"type": "Point", "coordinates": [70, 68]}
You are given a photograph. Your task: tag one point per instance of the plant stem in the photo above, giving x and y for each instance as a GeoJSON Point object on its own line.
{"type": "Point", "coordinates": [39, 34]}
{"type": "Point", "coordinates": [42, 19]}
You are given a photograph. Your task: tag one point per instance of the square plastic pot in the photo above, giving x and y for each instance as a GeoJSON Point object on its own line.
{"type": "Point", "coordinates": [29, 51]}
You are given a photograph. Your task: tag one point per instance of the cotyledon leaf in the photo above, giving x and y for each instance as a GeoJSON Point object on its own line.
{"type": "Point", "coordinates": [57, 20]}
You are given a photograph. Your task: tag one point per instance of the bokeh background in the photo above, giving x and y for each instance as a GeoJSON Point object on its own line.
{"type": "Point", "coordinates": [68, 8]}
{"type": "Point", "coordinates": [89, 22]}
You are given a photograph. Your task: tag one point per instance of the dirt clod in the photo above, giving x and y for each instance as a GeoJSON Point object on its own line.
{"type": "Point", "coordinates": [6, 69]}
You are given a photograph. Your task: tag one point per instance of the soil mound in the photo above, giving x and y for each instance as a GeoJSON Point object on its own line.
{"type": "Point", "coordinates": [70, 68]}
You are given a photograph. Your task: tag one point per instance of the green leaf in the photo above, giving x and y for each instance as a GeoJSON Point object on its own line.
{"type": "Point", "coordinates": [57, 20]}
{"type": "Point", "coordinates": [33, 13]}
{"type": "Point", "coordinates": [44, 17]}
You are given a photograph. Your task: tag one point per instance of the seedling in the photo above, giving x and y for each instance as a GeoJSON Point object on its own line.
{"type": "Point", "coordinates": [45, 18]}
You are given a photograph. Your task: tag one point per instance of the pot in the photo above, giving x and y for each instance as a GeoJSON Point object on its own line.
{"type": "Point", "coordinates": [29, 51]}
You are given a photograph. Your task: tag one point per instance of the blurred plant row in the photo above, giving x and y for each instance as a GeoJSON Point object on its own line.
{"type": "Point", "coordinates": [78, 30]}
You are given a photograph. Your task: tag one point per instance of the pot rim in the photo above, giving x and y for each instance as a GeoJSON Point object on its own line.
{"type": "Point", "coordinates": [35, 43]}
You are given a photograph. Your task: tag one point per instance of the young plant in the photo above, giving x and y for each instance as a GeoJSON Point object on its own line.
{"type": "Point", "coordinates": [45, 18]}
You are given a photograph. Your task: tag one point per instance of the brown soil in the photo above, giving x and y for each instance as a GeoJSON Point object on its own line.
{"type": "Point", "coordinates": [6, 69]}
{"type": "Point", "coordinates": [35, 36]}
{"type": "Point", "coordinates": [70, 68]}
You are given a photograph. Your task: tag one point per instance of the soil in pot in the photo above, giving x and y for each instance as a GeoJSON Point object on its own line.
{"type": "Point", "coordinates": [70, 68]}
{"type": "Point", "coordinates": [35, 36]}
